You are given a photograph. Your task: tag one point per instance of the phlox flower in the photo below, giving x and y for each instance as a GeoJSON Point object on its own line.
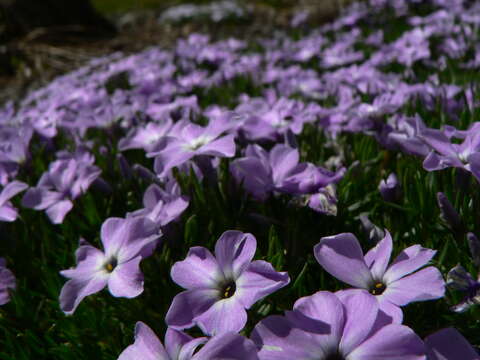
{"type": "Point", "coordinates": [393, 286]}
{"type": "Point", "coordinates": [180, 346]}
{"type": "Point", "coordinates": [162, 206]}
{"type": "Point", "coordinates": [279, 170]}
{"type": "Point", "coordinates": [126, 243]}
{"type": "Point", "coordinates": [219, 288]}
{"type": "Point", "coordinates": [7, 282]}
{"type": "Point", "coordinates": [65, 180]}
{"type": "Point", "coordinates": [459, 279]}
{"type": "Point", "coordinates": [444, 153]}
{"type": "Point", "coordinates": [449, 344]}
{"type": "Point", "coordinates": [7, 211]}
{"type": "Point", "coordinates": [187, 140]}
{"type": "Point", "coordinates": [326, 326]}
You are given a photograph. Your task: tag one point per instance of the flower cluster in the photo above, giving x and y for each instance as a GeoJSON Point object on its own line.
{"type": "Point", "coordinates": [259, 122]}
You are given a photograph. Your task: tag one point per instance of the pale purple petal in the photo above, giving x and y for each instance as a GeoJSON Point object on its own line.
{"type": "Point", "coordinates": [433, 162]}
{"type": "Point", "coordinates": [10, 190]}
{"type": "Point", "coordinates": [224, 316]}
{"type": "Point", "coordinates": [393, 342]}
{"type": "Point", "coordinates": [325, 309]}
{"type": "Point", "coordinates": [57, 212]}
{"type": "Point", "coordinates": [283, 160]}
{"type": "Point", "coordinates": [199, 269]}
{"type": "Point", "coordinates": [146, 346]}
{"type": "Point", "coordinates": [189, 304]}
{"type": "Point", "coordinates": [378, 257]}
{"type": "Point", "coordinates": [124, 239]}
{"type": "Point", "coordinates": [7, 212]}
{"type": "Point", "coordinates": [449, 344]}
{"type": "Point", "coordinates": [40, 198]}
{"type": "Point", "coordinates": [342, 256]}
{"type": "Point", "coordinates": [126, 280]}
{"type": "Point", "coordinates": [279, 340]}
{"type": "Point", "coordinates": [181, 346]}
{"type": "Point", "coordinates": [426, 284]}
{"type": "Point", "coordinates": [234, 251]}
{"type": "Point", "coordinates": [361, 312]}
{"type": "Point", "coordinates": [408, 261]}
{"type": "Point", "coordinates": [222, 147]}
{"type": "Point", "coordinates": [253, 175]}
{"type": "Point", "coordinates": [76, 289]}
{"type": "Point", "coordinates": [259, 280]}
{"type": "Point", "coordinates": [229, 346]}
{"type": "Point", "coordinates": [7, 283]}
{"type": "Point", "coordinates": [89, 262]}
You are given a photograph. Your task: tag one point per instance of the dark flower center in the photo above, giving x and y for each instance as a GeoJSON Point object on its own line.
{"type": "Point", "coordinates": [110, 265]}
{"type": "Point", "coordinates": [378, 288]}
{"type": "Point", "coordinates": [335, 356]}
{"type": "Point", "coordinates": [228, 290]}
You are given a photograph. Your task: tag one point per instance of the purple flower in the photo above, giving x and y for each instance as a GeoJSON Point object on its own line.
{"type": "Point", "coordinates": [145, 137]}
{"type": "Point", "coordinates": [445, 154]}
{"type": "Point", "coordinates": [162, 206]}
{"type": "Point", "coordinates": [474, 247]}
{"type": "Point", "coordinates": [187, 140]}
{"type": "Point", "coordinates": [449, 214]}
{"type": "Point", "coordinates": [270, 118]}
{"type": "Point", "coordinates": [7, 282]}
{"type": "Point", "coordinates": [126, 243]}
{"type": "Point", "coordinates": [394, 285]}
{"type": "Point", "coordinates": [327, 326]}
{"type": "Point", "coordinates": [7, 211]}
{"type": "Point", "coordinates": [65, 180]}
{"type": "Point", "coordinates": [180, 346]}
{"type": "Point", "coordinates": [459, 279]}
{"type": "Point", "coordinates": [221, 287]}
{"type": "Point", "coordinates": [262, 173]}
{"type": "Point", "coordinates": [449, 344]}
{"type": "Point", "coordinates": [390, 189]}
{"type": "Point", "coordinates": [14, 142]}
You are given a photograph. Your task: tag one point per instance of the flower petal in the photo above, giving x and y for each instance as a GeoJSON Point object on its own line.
{"type": "Point", "coordinates": [342, 256]}
{"type": "Point", "coordinates": [10, 190]}
{"type": "Point", "coordinates": [449, 344]}
{"type": "Point", "coordinates": [222, 147]}
{"type": "Point", "coordinates": [59, 210]}
{"type": "Point", "coordinates": [378, 257]}
{"type": "Point", "coordinates": [7, 212]}
{"type": "Point", "coordinates": [199, 269]}
{"type": "Point", "coordinates": [127, 238]}
{"type": "Point", "coordinates": [409, 260]}
{"type": "Point", "coordinates": [259, 280]}
{"type": "Point", "coordinates": [76, 289]}
{"type": "Point", "coordinates": [40, 198]}
{"type": "Point", "coordinates": [146, 346]}
{"type": "Point", "coordinates": [279, 340]}
{"type": "Point", "coordinates": [361, 312]}
{"type": "Point", "coordinates": [392, 342]}
{"type": "Point", "coordinates": [126, 280]}
{"type": "Point", "coordinates": [426, 284]}
{"type": "Point", "coordinates": [189, 304]}
{"type": "Point", "coordinates": [234, 251]}
{"type": "Point", "coordinates": [317, 312]}
{"type": "Point", "coordinates": [223, 316]}
{"type": "Point", "coordinates": [229, 346]}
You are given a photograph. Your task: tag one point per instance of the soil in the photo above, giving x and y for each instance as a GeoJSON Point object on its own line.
{"type": "Point", "coordinates": [35, 59]}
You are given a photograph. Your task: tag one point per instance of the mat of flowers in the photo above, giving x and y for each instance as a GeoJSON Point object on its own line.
{"type": "Point", "coordinates": [310, 195]}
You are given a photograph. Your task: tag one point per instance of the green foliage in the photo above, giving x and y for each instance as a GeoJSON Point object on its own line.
{"type": "Point", "coordinates": [33, 327]}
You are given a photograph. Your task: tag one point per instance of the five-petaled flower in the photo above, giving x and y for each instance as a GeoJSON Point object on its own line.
{"type": "Point", "coordinates": [395, 285]}
{"type": "Point", "coordinates": [221, 287]}
{"type": "Point", "coordinates": [126, 243]}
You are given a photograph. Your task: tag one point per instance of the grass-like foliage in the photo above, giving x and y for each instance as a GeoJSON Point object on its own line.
{"type": "Point", "coordinates": [383, 89]}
